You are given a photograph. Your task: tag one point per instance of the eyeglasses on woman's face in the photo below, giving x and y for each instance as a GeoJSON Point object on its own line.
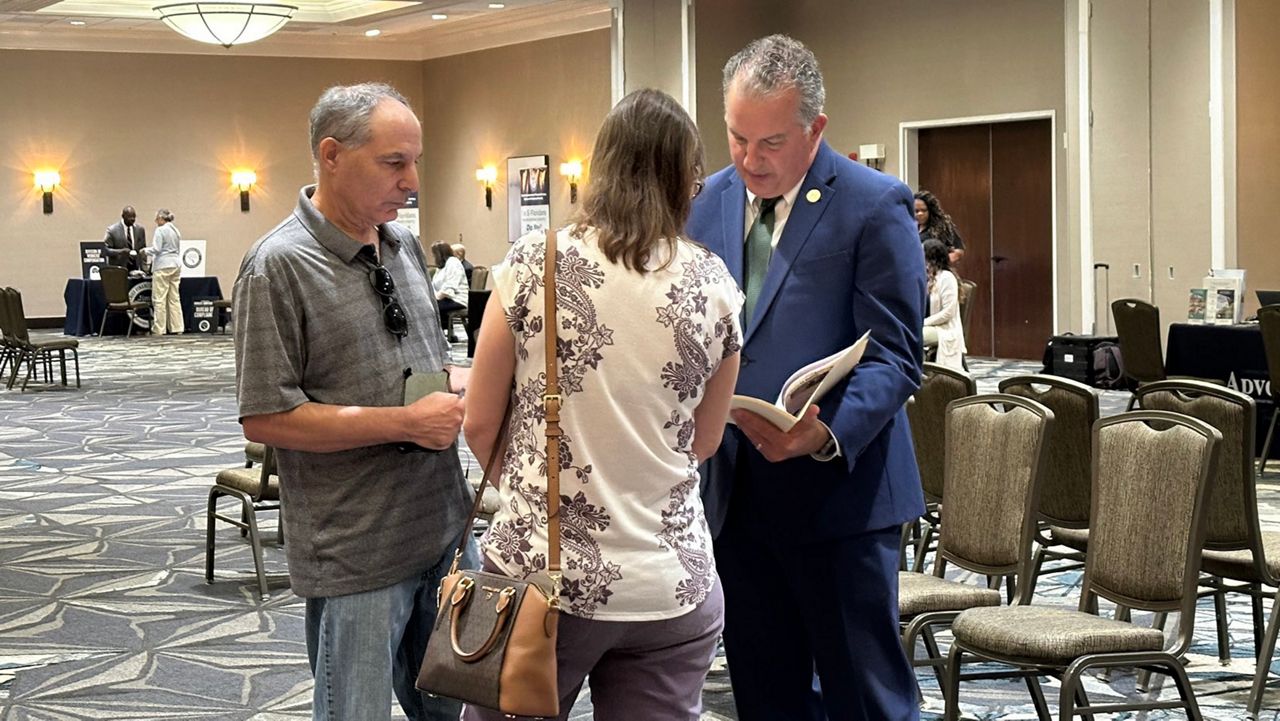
{"type": "Point", "coordinates": [392, 312]}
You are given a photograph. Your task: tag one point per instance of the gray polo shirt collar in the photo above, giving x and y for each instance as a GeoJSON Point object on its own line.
{"type": "Point", "coordinates": [333, 238]}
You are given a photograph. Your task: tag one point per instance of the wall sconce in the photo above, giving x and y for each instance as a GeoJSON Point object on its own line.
{"type": "Point", "coordinates": [487, 175]}
{"type": "Point", "coordinates": [573, 171]}
{"type": "Point", "coordinates": [244, 180]}
{"type": "Point", "coordinates": [46, 181]}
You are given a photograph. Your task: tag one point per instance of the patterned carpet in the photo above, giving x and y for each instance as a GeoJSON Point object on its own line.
{"type": "Point", "coordinates": [104, 613]}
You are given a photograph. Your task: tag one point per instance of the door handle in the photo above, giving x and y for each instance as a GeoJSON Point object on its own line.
{"type": "Point", "coordinates": [998, 258]}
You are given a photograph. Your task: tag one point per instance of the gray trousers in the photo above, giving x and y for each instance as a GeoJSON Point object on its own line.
{"type": "Point", "coordinates": [640, 670]}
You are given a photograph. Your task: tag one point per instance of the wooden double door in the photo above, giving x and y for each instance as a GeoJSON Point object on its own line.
{"type": "Point", "coordinates": [996, 182]}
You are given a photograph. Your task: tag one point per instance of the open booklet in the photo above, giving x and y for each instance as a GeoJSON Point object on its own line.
{"type": "Point", "coordinates": [805, 387]}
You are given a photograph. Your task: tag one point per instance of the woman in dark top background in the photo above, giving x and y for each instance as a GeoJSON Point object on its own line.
{"type": "Point", "coordinates": [934, 222]}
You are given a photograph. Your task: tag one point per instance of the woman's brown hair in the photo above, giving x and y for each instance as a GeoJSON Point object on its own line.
{"type": "Point", "coordinates": [441, 252]}
{"type": "Point", "coordinates": [646, 160]}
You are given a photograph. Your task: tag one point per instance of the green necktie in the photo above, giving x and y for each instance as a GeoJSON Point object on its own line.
{"type": "Point", "coordinates": [759, 247]}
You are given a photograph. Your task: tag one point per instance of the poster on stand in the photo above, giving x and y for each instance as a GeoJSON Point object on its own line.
{"type": "Point", "coordinates": [92, 258]}
{"type": "Point", "coordinates": [191, 253]}
{"type": "Point", "coordinates": [528, 195]}
{"type": "Point", "coordinates": [408, 215]}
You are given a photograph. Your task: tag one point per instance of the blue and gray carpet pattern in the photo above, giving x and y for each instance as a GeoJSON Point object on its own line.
{"type": "Point", "coordinates": [104, 612]}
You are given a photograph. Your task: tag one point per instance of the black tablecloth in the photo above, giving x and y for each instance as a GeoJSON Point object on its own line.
{"type": "Point", "coordinates": [1233, 354]}
{"type": "Point", "coordinates": [86, 304]}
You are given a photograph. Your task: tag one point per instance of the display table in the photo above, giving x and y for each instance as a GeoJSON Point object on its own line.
{"type": "Point", "coordinates": [86, 304]}
{"type": "Point", "coordinates": [1233, 354]}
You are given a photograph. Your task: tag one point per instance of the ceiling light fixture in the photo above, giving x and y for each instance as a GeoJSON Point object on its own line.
{"type": "Point", "coordinates": [496, 6]}
{"type": "Point", "coordinates": [372, 33]}
{"type": "Point", "coordinates": [225, 23]}
{"type": "Point", "coordinates": [77, 23]}
{"type": "Point", "coordinates": [439, 16]}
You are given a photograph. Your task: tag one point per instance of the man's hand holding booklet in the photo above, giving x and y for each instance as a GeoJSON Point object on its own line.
{"type": "Point", "coordinates": [804, 388]}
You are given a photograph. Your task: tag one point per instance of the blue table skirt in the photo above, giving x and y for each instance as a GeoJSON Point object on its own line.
{"type": "Point", "coordinates": [86, 304]}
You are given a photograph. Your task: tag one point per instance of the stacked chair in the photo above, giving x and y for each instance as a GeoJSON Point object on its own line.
{"type": "Point", "coordinates": [994, 459]}
{"type": "Point", "coordinates": [257, 490]}
{"type": "Point", "coordinates": [1150, 478]}
{"type": "Point", "coordinates": [19, 349]}
{"type": "Point", "coordinates": [927, 414]}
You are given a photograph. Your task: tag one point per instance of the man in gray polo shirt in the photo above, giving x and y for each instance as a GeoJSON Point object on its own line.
{"type": "Point", "coordinates": [333, 311]}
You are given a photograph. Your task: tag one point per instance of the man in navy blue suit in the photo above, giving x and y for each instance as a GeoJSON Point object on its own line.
{"type": "Point", "coordinates": [807, 520]}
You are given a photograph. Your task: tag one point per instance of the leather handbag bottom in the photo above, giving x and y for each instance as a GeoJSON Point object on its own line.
{"type": "Point", "coordinates": [493, 644]}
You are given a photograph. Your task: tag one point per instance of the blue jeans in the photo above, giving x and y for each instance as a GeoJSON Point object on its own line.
{"type": "Point", "coordinates": [364, 644]}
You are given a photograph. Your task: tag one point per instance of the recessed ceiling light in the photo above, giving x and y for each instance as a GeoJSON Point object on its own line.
{"type": "Point", "coordinates": [439, 16]}
{"type": "Point", "coordinates": [372, 33]}
{"type": "Point", "coordinates": [496, 6]}
{"type": "Point", "coordinates": [77, 23]}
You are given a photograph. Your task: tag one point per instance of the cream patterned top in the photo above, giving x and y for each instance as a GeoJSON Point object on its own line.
{"type": "Point", "coordinates": [635, 353]}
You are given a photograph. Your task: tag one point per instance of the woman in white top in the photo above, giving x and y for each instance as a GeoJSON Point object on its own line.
{"type": "Point", "coordinates": [166, 304]}
{"type": "Point", "coordinates": [449, 282]}
{"type": "Point", "coordinates": [648, 338]}
{"type": "Point", "coordinates": [942, 326]}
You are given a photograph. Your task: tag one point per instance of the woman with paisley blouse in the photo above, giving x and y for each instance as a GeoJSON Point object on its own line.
{"type": "Point", "coordinates": [648, 338]}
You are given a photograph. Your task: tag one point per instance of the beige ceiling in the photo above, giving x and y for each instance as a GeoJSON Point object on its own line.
{"type": "Point", "coordinates": [320, 28]}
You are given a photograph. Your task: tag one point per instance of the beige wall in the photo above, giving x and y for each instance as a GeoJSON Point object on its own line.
{"type": "Point", "coordinates": [1257, 141]}
{"type": "Point", "coordinates": [153, 131]}
{"type": "Point", "coordinates": [547, 97]}
{"type": "Point", "coordinates": [1151, 163]}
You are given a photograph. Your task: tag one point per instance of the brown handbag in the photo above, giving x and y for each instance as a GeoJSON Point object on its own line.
{"type": "Point", "coordinates": [494, 639]}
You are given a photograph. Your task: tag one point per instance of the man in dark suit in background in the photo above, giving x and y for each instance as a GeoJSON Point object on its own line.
{"type": "Point", "coordinates": [807, 521]}
{"type": "Point", "coordinates": [125, 240]}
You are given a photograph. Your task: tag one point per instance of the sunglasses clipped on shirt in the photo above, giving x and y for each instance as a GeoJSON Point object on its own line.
{"type": "Point", "coordinates": [393, 315]}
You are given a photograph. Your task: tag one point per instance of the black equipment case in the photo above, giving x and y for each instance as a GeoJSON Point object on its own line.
{"type": "Point", "coordinates": [1073, 356]}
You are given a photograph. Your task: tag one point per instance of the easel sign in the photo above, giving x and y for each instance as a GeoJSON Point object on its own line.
{"type": "Point", "coordinates": [528, 195]}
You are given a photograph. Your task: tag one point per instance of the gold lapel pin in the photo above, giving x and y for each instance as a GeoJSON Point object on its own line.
{"type": "Point", "coordinates": [813, 196]}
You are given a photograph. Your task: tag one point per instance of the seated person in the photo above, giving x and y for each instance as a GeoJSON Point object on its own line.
{"type": "Point", "coordinates": [942, 327]}
{"type": "Point", "coordinates": [450, 284]}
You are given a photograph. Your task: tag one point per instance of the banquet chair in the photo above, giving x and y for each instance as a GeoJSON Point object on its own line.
{"type": "Point", "coordinates": [1269, 322]}
{"type": "Point", "coordinates": [38, 355]}
{"type": "Point", "coordinates": [1138, 327]}
{"type": "Point", "coordinates": [479, 277]}
{"type": "Point", "coordinates": [1150, 479]}
{"type": "Point", "coordinates": [115, 287]}
{"type": "Point", "coordinates": [995, 460]}
{"type": "Point", "coordinates": [1235, 547]}
{"type": "Point", "coordinates": [257, 490]}
{"type": "Point", "coordinates": [1065, 490]}
{"type": "Point", "coordinates": [927, 415]}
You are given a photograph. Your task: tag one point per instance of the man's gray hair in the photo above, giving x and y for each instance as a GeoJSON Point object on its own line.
{"type": "Point", "coordinates": [343, 111]}
{"type": "Point", "coordinates": [775, 64]}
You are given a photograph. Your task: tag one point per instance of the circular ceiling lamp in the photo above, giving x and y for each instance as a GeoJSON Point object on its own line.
{"type": "Point", "coordinates": [225, 23]}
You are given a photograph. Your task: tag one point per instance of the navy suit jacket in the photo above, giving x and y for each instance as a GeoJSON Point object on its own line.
{"type": "Point", "coordinates": [848, 261]}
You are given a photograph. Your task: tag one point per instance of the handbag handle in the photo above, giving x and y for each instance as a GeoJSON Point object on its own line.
{"type": "Point", "coordinates": [551, 407]}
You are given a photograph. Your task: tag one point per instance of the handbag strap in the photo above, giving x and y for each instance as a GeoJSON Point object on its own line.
{"type": "Point", "coordinates": [551, 406]}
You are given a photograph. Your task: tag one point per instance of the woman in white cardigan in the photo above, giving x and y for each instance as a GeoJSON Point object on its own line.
{"type": "Point", "coordinates": [942, 326]}
{"type": "Point", "coordinates": [449, 283]}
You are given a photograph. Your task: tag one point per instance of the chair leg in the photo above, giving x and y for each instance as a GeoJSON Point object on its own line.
{"type": "Point", "coordinates": [1133, 398]}
{"type": "Point", "coordinates": [1263, 668]}
{"type": "Point", "coordinates": [1259, 625]}
{"type": "Point", "coordinates": [1220, 614]}
{"type": "Point", "coordinates": [1185, 692]}
{"type": "Point", "coordinates": [102, 327]}
{"type": "Point", "coordinates": [951, 692]}
{"type": "Point", "coordinates": [1144, 676]}
{"type": "Point", "coordinates": [75, 356]}
{"type": "Point", "coordinates": [903, 540]}
{"type": "Point", "coordinates": [214, 495]}
{"type": "Point", "coordinates": [922, 548]}
{"type": "Point", "coordinates": [1037, 698]}
{"type": "Point", "coordinates": [1266, 445]}
{"type": "Point", "coordinates": [255, 541]}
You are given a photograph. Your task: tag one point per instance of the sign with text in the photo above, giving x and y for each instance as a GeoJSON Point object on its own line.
{"type": "Point", "coordinates": [528, 195]}
{"type": "Point", "coordinates": [92, 258]}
